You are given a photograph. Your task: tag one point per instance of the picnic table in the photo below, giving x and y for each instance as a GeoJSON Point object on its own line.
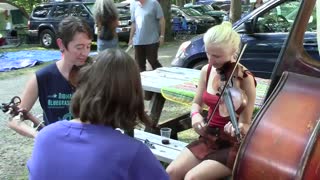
{"type": "Point", "coordinates": [179, 85]}
{"type": "Point", "coordinates": [163, 152]}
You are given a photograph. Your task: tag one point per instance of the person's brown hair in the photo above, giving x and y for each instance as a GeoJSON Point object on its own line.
{"type": "Point", "coordinates": [69, 26]}
{"type": "Point", "coordinates": [110, 92]}
{"type": "Point", "coordinates": [106, 15]}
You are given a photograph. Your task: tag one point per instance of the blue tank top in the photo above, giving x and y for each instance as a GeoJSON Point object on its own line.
{"type": "Point", "coordinates": [54, 94]}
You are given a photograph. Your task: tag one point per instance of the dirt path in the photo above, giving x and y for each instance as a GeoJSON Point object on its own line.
{"type": "Point", "coordinates": [15, 149]}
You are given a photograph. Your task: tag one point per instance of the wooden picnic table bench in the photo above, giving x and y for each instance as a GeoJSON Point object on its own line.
{"type": "Point", "coordinates": [165, 153]}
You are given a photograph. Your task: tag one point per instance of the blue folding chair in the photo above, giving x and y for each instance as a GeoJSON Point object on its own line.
{"type": "Point", "coordinates": [181, 29]}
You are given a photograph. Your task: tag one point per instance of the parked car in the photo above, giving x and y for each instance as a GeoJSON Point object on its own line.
{"type": "Point", "coordinates": [45, 18]}
{"type": "Point", "coordinates": [264, 30]}
{"type": "Point", "coordinates": [218, 15]}
{"type": "Point", "coordinates": [222, 4]}
{"type": "Point", "coordinates": [202, 22]}
{"type": "Point", "coordinates": [124, 27]}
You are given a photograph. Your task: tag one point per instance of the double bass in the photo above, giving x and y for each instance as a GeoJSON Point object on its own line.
{"type": "Point", "coordinates": [283, 141]}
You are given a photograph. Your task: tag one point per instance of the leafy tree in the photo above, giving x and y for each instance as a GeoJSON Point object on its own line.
{"type": "Point", "coordinates": [26, 4]}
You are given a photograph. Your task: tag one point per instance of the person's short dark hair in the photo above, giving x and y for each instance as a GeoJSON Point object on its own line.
{"type": "Point", "coordinates": [110, 92]}
{"type": "Point", "coordinates": [69, 26]}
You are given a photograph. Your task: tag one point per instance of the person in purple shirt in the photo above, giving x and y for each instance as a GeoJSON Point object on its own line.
{"type": "Point", "coordinates": [109, 96]}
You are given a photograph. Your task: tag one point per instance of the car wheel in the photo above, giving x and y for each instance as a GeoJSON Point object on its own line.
{"type": "Point", "coordinates": [200, 64]}
{"type": "Point", "coordinates": [47, 39]}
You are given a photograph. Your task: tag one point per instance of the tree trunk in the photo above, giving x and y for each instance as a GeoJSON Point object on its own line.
{"type": "Point", "coordinates": [166, 5]}
{"type": "Point", "coordinates": [235, 10]}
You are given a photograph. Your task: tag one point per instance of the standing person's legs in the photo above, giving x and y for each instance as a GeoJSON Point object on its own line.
{"type": "Point", "coordinates": [140, 56]}
{"type": "Point", "coordinates": [152, 55]}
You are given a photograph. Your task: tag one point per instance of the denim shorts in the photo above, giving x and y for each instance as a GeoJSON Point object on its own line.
{"type": "Point", "coordinates": [104, 44]}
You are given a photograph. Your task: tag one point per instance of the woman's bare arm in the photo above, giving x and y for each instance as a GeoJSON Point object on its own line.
{"type": "Point", "coordinates": [28, 99]}
{"type": "Point", "coordinates": [245, 117]}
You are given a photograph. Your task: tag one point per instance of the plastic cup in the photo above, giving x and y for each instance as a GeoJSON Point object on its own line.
{"type": "Point", "coordinates": [165, 134]}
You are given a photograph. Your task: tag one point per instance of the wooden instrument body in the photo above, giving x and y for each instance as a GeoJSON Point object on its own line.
{"type": "Point", "coordinates": [283, 141]}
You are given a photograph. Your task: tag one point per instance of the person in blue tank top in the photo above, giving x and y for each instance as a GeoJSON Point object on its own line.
{"type": "Point", "coordinates": [109, 96]}
{"type": "Point", "coordinates": [52, 83]}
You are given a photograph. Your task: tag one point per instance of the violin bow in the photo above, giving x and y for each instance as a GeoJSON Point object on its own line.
{"type": "Point", "coordinates": [225, 93]}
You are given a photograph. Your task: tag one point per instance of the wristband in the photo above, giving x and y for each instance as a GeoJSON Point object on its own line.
{"type": "Point", "coordinates": [161, 36]}
{"type": "Point", "coordinates": [194, 113]}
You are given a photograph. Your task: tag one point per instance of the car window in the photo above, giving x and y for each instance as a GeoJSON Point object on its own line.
{"type": "Point", "coordinates": [215, 7]}
{"type": "Point", "coordinates": [175, 12]}
{"type": "Point", "coordinates": [310, 42]}
{"type": "Point", "coordinates": [78, 10]}
{"type": "Point", "coordinates": [312, 23]}
{"type": "Point", "coordinates": [60, 11]}
{"type": "Point", "coordinates": [199, 9]}
{"type": "Point", "coordinates": [281, 18]}
{"type": "Point", "coordinates": [277, 19]}
{"type": "Point", "coordinates": [90, 7]}
{"type": "Point", "coordinates": [41, 11]}
{"type": "Point", "coordinates": [123, 11]}
{"type": "Point", "coordinates": [207, 8]}
{"type": "Point", "coordinates": [191, 12]}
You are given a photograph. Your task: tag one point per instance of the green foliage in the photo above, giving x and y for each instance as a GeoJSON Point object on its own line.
{"type": "Point", "coordinates": [255, 111]}
{"type": "Point", "coordinates": [164, 164]}
{"type": "Point", "coordinates": [26, 4]}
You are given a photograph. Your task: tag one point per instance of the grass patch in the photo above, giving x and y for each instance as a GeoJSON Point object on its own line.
{"type": "Point", "coordinates": [188, 135]}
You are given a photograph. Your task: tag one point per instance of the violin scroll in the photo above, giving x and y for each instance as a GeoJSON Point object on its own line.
{"type": "Point", "coordinates": [73, 75]}
{"type": "Point", "coordinates": [13, 110]}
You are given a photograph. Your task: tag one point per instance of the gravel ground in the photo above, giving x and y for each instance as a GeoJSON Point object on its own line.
{"type": "Point", "coordinates": [15, 149]}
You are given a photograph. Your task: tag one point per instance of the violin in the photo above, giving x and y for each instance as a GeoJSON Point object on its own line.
{"type": "Point", "coordinates": [232, 100]}
{"type": "Point", "coordinates": [73, 75]}
{"type": "Point", "coordinates": [238, 97]}
{"type": "Point", "coordinates": [13, 110]}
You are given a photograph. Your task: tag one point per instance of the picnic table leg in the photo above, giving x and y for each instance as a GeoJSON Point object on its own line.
{"type": "Point", "coordinates": [177, 124]}
{"type": "Point", "coordinates": [154, 111]}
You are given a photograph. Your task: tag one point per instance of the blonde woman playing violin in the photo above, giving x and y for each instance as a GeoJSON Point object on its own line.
{"type": "Point", "coordinates": [212, 156]}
